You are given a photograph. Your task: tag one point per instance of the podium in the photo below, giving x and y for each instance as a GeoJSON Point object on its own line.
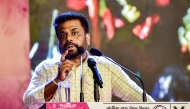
{"type": "Point", "coordinates": [65, 105]}
{"type": "Point", "coordinates": [116, 105]}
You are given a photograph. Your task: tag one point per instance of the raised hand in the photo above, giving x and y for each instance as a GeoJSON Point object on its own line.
{"type": "Point", "coordinates": [64, 67]}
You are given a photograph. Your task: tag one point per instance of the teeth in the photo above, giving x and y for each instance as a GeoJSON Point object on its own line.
{"type": "Point", "coordinates": [69, 47]}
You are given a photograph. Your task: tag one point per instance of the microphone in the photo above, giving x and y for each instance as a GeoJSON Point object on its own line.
{"type": "Point", "coordinates": [81, 51]}
{"type": "Point", "coordinates": [96, 52]}
{"type": "Point", "coordinates": [92, 65]}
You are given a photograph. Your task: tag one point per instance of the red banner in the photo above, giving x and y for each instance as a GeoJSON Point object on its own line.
{"type": "Point", "coordinates": [14, 50]}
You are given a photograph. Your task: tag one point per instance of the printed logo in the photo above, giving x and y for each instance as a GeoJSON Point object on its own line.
{"type": "Point", "coordinates": [159, 107]}
{"type": "Point", "coordinates": [55, 105]}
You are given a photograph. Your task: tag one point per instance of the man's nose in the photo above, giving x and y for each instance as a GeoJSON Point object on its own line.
{"type": "Point", "coordinates": [70, 37]}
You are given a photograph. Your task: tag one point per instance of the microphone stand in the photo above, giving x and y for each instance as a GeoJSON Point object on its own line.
{"type": "Point", "coordinates": [81, 92]}
{"type": "Point", "coordinates": [144, 93]}
{"type": "Point", "coordinates": [97, 79]}
{"type": "Point", "coordinates": [96, 90]}
{"type": "Point", "coordinates": [81, 51]}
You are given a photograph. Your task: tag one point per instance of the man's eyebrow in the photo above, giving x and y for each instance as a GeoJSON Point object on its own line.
{"type": "Point", "coordinates": [73, 29]}
{"type": "Point", "coordinates": [62, 31]}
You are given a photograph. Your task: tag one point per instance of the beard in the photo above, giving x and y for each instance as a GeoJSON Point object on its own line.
{"type": "Point", "coordinates": [71, 53]}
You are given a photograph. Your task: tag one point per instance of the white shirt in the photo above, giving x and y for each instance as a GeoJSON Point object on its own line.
{"type": "Point", "coordinates": [115, 82]}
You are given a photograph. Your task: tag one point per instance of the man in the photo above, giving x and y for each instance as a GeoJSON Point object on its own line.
{"type": "Point", "coordinates": [72, 31]}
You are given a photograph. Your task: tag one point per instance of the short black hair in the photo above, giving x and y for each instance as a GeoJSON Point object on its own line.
{"type": "Point", "coordinates": [63, 17]}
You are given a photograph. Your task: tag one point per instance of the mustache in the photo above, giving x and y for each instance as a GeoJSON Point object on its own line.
{"type": "Point", "coordinates": [70, 43]}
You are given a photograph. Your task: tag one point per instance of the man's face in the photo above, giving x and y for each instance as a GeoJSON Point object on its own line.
{"type": "Point", "coordinates": [71, 35]}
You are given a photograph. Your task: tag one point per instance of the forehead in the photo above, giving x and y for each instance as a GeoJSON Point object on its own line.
{"type": "Point", "coordinates": [70, 24]}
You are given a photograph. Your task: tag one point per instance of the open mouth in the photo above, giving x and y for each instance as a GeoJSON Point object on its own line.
{"type": "Point", "coordinates": [70, 47]}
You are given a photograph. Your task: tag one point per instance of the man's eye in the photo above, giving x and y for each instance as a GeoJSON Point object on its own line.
{"type": "Point", "coordinates": [62, 35]}
{"type": "Point", "coordinates": [74, 33]}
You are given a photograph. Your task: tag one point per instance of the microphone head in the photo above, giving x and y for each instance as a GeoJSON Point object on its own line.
{"type": "Point", "coordinates": [91, 62]}
{"type": "Point", "coordinates": [95, 52]}
{"type": "Point", "coordinates": [80, 50]}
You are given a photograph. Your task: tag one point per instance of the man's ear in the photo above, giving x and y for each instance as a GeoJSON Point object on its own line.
{"type": "Point", "coordinates": [88, 38]}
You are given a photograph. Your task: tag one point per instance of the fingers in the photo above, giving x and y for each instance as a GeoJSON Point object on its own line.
{"type": "Point", "coordinates": [64, 55]}
{"type": "Point", "coordinates": [64, 68]}
{"type": "Point", "coordinates": [63, 72]}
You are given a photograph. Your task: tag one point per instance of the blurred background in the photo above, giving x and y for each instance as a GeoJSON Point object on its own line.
{"type": "Point", "coordinates": [149, 37]}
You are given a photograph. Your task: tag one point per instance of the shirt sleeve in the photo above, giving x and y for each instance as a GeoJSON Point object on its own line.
{"type": "Point", "coordinates": [33, 97]}
{"type": "Point", "coordinates": [125, 88]}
